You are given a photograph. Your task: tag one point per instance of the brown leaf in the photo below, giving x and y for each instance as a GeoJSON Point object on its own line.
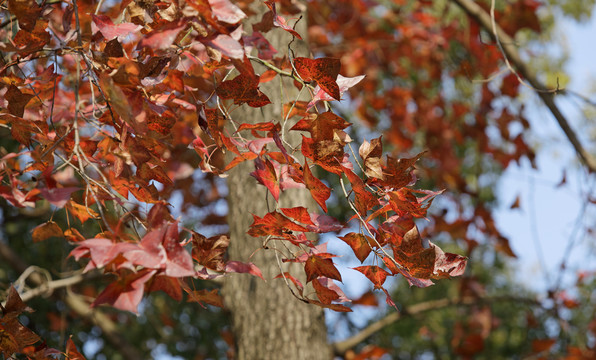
{"type": "Point", "coordinates": [46, 231]}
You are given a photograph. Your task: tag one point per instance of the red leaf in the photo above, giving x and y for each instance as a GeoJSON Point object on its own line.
{"type": "Point", "coordinates": [324, 71]}
{"type": "Point", "coordinates": [343, 83]}
{"type": "Point", "coordinates": [273, 223]}
{"type": "Point", "coordinates": [243, 89]}
{"type": "Point", "coordinates": [170, 286]}
{"type": "Point", "coordinates": [106, 26]}
{"type": "Point", "coordinates": [359, 244]}
{"type": "Point", "coordinates": [319, 191]}
{"type": "Point", "coordinates": [125, 293]}
{"type": "Point", "coordinates": [375, 274]}
{"type": "Point", "coordinates": [299, 214]}
{"type": "Point", "coordinates": [324, 294]}
{"type": "Point", "coordinates": [316, 266]}
{"type": "Point", "coordinates": [240, 267]}
{"type": "Point", "coordinates": [266, 175]}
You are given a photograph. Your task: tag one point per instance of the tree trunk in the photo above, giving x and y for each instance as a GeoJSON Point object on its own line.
{"type": "Point", "coordinates": [268, 321]}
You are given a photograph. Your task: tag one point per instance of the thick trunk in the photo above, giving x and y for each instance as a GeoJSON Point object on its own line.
{"type": "Point", "coordinates": [268, 322]}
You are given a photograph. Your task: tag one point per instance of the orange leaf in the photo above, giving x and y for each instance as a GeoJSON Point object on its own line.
{"type": "Point", "coordinates": [46, 231]}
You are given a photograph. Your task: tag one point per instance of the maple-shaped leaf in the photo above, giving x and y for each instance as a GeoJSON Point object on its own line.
{"type": "Point", "coordinates": [280, 21]}
{"type": "Point", "coordinates": [323, 71]}
{"type": "Point", "coordinates": [371, 153]}
{"type": "Point", "coordinates": [318, 190]}
{"type": "Point", "coordinates": [110, 31]}
{"type": "Point", "coordinates": [273, 223]}
{"type": "Point", "coordinates": [240, 267]}
{"type": "Point", "coordinates": [179, 262]}
{"type": "Point", "coordinates": [397, 173]}
{"type": "Point", "coordinates": [344, 85]}
{"type": "Point", "coordinates": [360, 244]}
{"type": "Point", "coordinates": [169, 285]}
{"type": "Point", "coordinates": [210, 252]}
{"type": "Point", "coordinates": [316, 266]}
{"type": "Point", "coordinates": [150, 252]}
{"type": "Point", "coordinates": [46, 230]}
{"type": "Point", "coordinates": [17, 100]}
{"type": "Point", "coordinates": [125, 293]}
{"type": "Point", "coordinates": [15, 337]}
{"type": "Point", "coordinates": [101, 251]}
{"type": "Point", "coordinates": [375, 274]}
{"type": "Point", "coordinates": [243, 89]}
{"type": "Point", "coordinates": [266, 175]}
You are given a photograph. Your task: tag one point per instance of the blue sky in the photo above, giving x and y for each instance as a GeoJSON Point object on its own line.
{"type": "Point", "coordinates": [549, 216]}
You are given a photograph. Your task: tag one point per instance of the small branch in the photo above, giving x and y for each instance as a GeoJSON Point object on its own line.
{"type": "Point", "coordinates": [76, 303]}
{"type": "Point", "coordinates": [341, 347]}
{"type": "Point", "coordinates": [512, 56]}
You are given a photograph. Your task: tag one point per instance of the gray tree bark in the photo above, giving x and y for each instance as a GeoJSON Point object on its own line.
{"type": "Point", "coordinates": [268, 321]}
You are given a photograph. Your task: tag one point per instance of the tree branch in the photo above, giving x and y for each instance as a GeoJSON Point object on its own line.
{"type": "Point", "coordinates": [74, 302]}
{"type": "Point", "coordinates": [340, 348]}
{"type": "Point", "coordinates": [507, 45]}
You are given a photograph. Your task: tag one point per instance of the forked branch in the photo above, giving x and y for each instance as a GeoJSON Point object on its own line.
{"type": "Point", "coordinates": [512, 56]}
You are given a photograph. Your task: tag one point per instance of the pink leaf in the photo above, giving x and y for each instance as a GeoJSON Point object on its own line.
{"type": "Point", "coordinates": [179, 263]}
{"type": "Point", "coordinates": [227, 12]}
{"type": "Point", "coordinates": [58, 196]}
{"type": "Point", "coordinates": [247, 268]}
{"type": "Point", "coordinates": [106, 26]}
{"type": "Point", "coordinates": [227, 45]}
{"type": "Point", "coordinates": [125, 294]}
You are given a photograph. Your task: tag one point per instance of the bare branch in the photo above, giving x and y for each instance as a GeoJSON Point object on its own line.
{"type": "Point", "coordinates": [512, 56]}
{"type": "Point", "coordinates": [75, 302]}
{"type": "Point", "coordinates": [341, 347]}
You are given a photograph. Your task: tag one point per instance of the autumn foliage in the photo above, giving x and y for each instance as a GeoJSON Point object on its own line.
{"type": "Point", "coordinates": [116, 109]}
{"type": "Point", "coordinates": [112, 113]}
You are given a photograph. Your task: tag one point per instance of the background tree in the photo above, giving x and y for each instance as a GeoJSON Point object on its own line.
{"type": "Point", "coordinates": [112, 109]}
